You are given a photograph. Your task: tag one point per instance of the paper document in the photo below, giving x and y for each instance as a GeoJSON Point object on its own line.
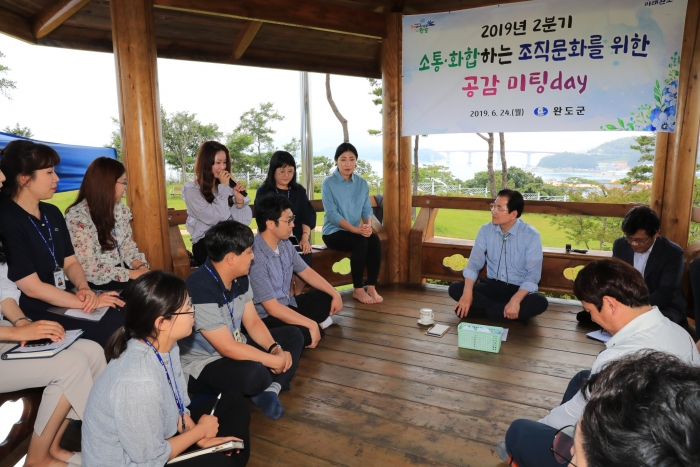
{"type": "Point", "coordinates": [600, 335]}
{"type": "Point", "coordinates": [93, 316]}
{"type": "Point", "coordinates": [504, 336]}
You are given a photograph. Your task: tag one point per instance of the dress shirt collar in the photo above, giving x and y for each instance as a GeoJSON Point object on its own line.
{"type": "Point", "coordinates": [513, 230]}
{"type": "Point", "coordinates": [641, 323]}
{"type": "Point", "coordinates": [260, 242]}
{"type": "Point", "coordinates": [336, 174]}
{"type": "Point", "coordinates": [239, 286]}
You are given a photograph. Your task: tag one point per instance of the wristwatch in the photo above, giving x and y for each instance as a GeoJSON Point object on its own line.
{"type": "Point", "coordinates": [274, 344]}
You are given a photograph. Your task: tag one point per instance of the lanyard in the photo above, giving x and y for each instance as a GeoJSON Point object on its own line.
{"type": "Point", "coordinates": [114, 234]}
{"type": "Point", "coordinates": [288, 190]}
{"type": "Point", "coordinates": [52, 248]}
{"type": "Point", "coordinates": [236, 331]}
{"type": "Point", "coordinates": [175, 389]}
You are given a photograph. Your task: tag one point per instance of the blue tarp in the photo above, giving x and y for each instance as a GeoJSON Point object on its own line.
{"type": "Point", "coordinates": [74, 160]}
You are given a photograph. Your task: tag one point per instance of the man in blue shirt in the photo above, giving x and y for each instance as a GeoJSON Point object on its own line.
{"type": "Point", "coordinates": [512, 251]}
{"type": "Point", "coordinates": [271, 276]}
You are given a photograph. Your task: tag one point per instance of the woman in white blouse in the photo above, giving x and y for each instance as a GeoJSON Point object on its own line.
{"type": "Point", "coordinates": [211, 199]}
{"type": "Point", "coordinates": [99, 228]}
{"type": "Point", "coordinates": [68, 375]}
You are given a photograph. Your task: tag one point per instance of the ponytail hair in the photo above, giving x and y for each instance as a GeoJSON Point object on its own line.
{"type": "Point", "coordinates": [24, 157]}
{"type": "Point", "coordinates": [151, 296]}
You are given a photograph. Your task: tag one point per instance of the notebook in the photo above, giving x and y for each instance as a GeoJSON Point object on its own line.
{"type": "Point", "coordinates": [223, 447]}
{"type": "Point", "coordinates": [43, 351]}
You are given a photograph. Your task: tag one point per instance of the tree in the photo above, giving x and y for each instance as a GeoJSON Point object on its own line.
{"type": "Point", "coordinates": [182, 136]}
{"type": "Point", "coordinates": [5, 84]}
{"type": "Point", "coordinates": [293, 148]}
{"type": "Point", "coordinates": [376, 91]}
{"type": "Point", "coordinates": [641, 173]}
{"type": "Point", "coordinates": [504, 166]}
{"type": "Point", "coordinates": [115, 140]}
{"type": "Point", "coordinates": [492, 177]}
{"type": "Point", "coordinates": [237, 144]}
{"type": "Point", "coordinates": [518, 179]}
{"type": "Point", "coordinates": [256, 122]}
{"type": "Point", "coordinates": [440, 173]}
{"type": "Point", "coordinates": [343, 121]}
{"type": "Point", "coordinates": [22, 131]}
{"type": "Point", "coordinates": [323, 165]}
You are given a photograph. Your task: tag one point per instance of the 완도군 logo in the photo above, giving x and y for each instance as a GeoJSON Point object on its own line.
{"type": "Point", "coordinates": [422, 26]}
{"type": "Point", "coordinates": [541, 111]}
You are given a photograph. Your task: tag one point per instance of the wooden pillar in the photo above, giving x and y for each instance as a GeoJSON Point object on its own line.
{"type": "Point", "coordinates": [134, 40]}
{"type": "Point", "coordinates": [676, 153]}
{"type": "Point", "coordinates": [397, 155]}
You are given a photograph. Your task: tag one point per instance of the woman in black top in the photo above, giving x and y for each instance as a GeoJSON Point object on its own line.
{"type": "Point", "coordinates": [41, 259]}
{"type": "Point", "coordinates": [282, 179]}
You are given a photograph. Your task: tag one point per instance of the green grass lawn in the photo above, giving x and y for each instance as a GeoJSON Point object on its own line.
{"type": "Point", "coordinates": [449, 223]}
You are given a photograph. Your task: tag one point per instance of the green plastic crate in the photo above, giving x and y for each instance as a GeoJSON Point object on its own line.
{"type": "Point", "coordinates": [476, 340]}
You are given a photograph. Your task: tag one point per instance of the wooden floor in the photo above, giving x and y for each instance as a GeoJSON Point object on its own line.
{"type": "Point", "coordinates": [378, 391]}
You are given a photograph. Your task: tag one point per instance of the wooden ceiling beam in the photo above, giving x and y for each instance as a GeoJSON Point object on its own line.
{"type": "Point", "coordinates": [299, 13]}
{"type": "Point", "coordinates": [241, 43]}
{"type": "Point", "coordinates": [16, 26]}
{"type": "Point", "coordinates": [54, 15]}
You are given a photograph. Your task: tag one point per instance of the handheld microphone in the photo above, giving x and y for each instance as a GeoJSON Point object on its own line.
{"type": "Point", "coordinates": [232, 183]}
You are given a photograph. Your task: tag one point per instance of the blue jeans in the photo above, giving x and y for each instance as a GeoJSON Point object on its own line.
{"type": "Point", "coordinates": [530, 442]}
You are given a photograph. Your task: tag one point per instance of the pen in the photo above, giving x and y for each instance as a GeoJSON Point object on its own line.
{"type": "Point", "coordinates": [215, 404]}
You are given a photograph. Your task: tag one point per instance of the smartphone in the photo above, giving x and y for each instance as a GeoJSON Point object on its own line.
{"type": "Point", "coordinates": [38, 343]}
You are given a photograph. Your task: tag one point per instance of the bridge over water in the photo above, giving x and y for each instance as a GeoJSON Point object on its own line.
{"type": "Point", "coordinates": [481, 152]}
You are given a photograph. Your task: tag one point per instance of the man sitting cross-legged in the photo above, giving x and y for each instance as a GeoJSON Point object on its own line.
{"type": "Point", "coordinates": [218, 357]}
{"type": "Point", "coordinates": [615, 295]}
{"type": "Point", "coordinates": [271, 275]}
{"type": "Point", "coordinates": [512, 251]}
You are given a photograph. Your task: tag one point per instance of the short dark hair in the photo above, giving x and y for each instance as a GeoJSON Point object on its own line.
{"type": "Point", "coordinates": [643, 409]}
{"type": "Point", "coordinates": [270, 208]}
{"type": "Point", "coordinates": [515, 200]}
{"type": "Point", "coordinates": [641, 217]}
{"type": "Point", "coordinates": [343, 148]}
{"type": "Point", "coordinates": [227, 237]}
{"type": "Point", "coordinates": [155, 294]}
{"type": "Point", "coordinates": [278, 160]}
{"type": "Point", "coordinates": [24, 157]}
{"type": "Point", "coordinates": [613, 278]}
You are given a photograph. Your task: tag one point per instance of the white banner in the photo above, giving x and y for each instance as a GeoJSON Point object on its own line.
{"type": "Point", "coordinates": [550, 65]}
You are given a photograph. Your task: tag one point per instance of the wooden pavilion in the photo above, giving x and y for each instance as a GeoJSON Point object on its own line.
{"type": "Point", "coordinates": [377, 391]}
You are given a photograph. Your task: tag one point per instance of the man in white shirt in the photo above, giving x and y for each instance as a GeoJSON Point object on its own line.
{"type": "Point", "coordinates": [615, 295]}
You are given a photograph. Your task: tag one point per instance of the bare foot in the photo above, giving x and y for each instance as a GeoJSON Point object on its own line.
{"type": "Point", "coordinates": [362, 296]}
{"type": "Point", "coordinates": [372, 292]}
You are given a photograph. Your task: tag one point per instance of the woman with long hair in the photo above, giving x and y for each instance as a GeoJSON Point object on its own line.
{"type": "Point", "coordinates": [41, 260]}
{"type": "Point", "coordinates": [99, 226]}
{"type": "Point", "coordinates": [67, 376]}
{"type": "Point", "coordinates": [211, 199]}
{"type": "Point", "coordinates": [348, 222]}
{"type": "Point", "coordinates": [282, 179]}
{"type": "Point", "coordinates": [137, 411]}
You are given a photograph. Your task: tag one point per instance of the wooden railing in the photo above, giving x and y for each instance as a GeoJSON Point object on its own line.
{"type": "Point", "coordinates": [428, 253]}
{"type": "Point", "coordinates": [323, 260]}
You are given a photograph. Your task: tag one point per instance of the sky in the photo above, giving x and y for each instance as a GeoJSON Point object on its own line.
{"type": "Point", "coordinates": [70, 96]}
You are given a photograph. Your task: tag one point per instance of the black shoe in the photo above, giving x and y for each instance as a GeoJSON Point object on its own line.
{"type": "Point", "coordinates": [584, 317]}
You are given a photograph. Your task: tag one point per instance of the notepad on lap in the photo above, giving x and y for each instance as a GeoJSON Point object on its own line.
{"type": "Point", "coordinates": [223, 447]}
{"type": "Point", "coordinates": [438, 330]}
{"type": "Point", "coordinates": [43, 351]}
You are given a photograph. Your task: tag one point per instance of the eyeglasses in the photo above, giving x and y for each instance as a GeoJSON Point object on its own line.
{"type": "Point", "coordinates": [563, 445]}
{"type": "Point", "coordinates": [287, 171]}
{"type": "Point", "coordinates": [122, 183]}
{"type": "Point", "coordinates": [288, 221]}
{"type": "Point", "coordinates": [636, 242]}
{"type": "Point", "coordinates": [190, 306]}
{"type": "Point", "coordinates": [497, 208]}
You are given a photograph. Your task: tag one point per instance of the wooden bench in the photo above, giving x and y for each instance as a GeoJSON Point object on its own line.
{"type": "Point", "coordinates": [15, 446]}
{"type": "Point", "coordinates": [176, 190]}
{"type": "Point", "coordinates": [322, 260]}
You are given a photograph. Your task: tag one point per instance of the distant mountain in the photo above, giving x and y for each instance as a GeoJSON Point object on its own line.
{"type": "Point", "coordinates": [612, 151]}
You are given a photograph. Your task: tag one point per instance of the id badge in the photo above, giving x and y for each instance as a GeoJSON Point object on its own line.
{"type": "Point", "coordinates": [237, 335]}
{"type": "Point", "coordinates": [59, 279]}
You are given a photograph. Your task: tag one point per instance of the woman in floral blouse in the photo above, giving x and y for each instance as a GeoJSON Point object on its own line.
{"type": "Point", "coordinates": [99, 227]}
